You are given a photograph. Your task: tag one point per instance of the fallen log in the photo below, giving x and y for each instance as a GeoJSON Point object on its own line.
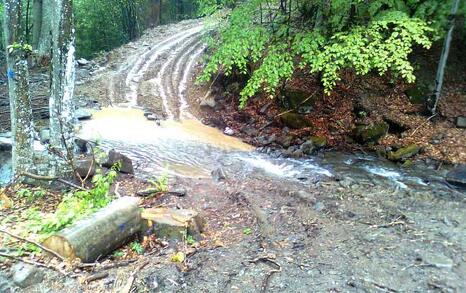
{"type": "Point", "coordinates": [99, 234]}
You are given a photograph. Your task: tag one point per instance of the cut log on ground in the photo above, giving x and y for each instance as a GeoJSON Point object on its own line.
{"type": "Point", "coordinates": [99, 234]}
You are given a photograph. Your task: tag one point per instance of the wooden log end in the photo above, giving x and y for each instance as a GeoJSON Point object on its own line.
{"type": "Point", "coordinates": [61, 246]}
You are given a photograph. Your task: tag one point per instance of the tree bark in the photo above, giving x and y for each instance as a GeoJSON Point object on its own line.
{"type": "Point", "coordinates": [101, 233]}
{"type": "Point", "coordinates": [36, 22]}
{"type": "Point", "coordinates": [18, 90]}
{"type": "Point", "coordinates": [62, 87]}
{"type": "Point", "coordinates": [45, 37]}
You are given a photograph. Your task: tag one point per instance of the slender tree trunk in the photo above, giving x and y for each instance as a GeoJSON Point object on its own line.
{"type": "Point", "coordinates": [36, 22]}
{"type": "Point", "coordinates": [433, 101]}
{"type": "Point", "coordinates": [62, 86]}
{"type": "Point", "coordinates": [45, 36]}
{"type": "Point", "coordinates": [18, 89]}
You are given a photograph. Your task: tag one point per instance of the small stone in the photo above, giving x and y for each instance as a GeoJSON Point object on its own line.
{"type": "Point", "coordinates": [319, 206]}
{"type": "Point", "coordinates": [178, 191]}
{"type": "Point", "coordinates": [81, 145]}
{"type": "Point", "coordinates": [117, 157]}
{"type": "Point", "coordinates": [457, 176]}
{"type": "Point", "coordinates": [208, 103]}
{"type": "Point", "coordinates": [304, 196]}
{"type": "Point", "coordinates": [85, 167]}
{"type": "Point", "coordinates": [83, 62]}
{"type": "Point", "coordinates": [307, 148]}
{"type": "Point", "coordinates": [229, 131]}
{"type": "Point", "coordinates": [25, 275]}
{"type": "Point", "coordinates": [152, 117]}
{"type": "Point", "coordinates": [249, 130]}
{"type": "Point", "coordinates": [218, 174]}
{"type": "Point", "coordinates": [82, 114]}
{"type": "Point", "coordinates": [461, 122]}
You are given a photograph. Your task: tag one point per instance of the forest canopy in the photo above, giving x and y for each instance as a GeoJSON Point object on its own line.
{"type": "Point", "coordinates": [269, 40]}
{"type": "Point", "coordinates": [102, 25]}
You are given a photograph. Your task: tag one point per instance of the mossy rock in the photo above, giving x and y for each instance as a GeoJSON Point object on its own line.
{"type": "Point", "coordinates": [318, 141]}
{"type": "Point", "coordinates": [294, 120]}
{"type": "Point", "coordinates": [404, 153]}
{"type": "Point", "coordinates": [297, 98]}
{"type": "Point", "coordinates": [371, 133]}
{"type": "Point", "coordinates": [418, 94]}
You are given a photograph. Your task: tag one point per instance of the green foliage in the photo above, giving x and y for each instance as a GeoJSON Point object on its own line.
{"type": "Point", "coordinates": [247, 231]}
{"type": "Point", "coordinates": [73, 206]}
{"type": "Point", "coordinates": [268, 45]}
{"type": "Point", "coordinates": [19, 47]}
{"type": "Point", "coordinates": [31, 195]}
{"type": "Point", "coordinates": [137, 247]}
{"type": "Point", "coordinates": [190, 240]}
{"type": "Point", "coordinates": [161, 183]}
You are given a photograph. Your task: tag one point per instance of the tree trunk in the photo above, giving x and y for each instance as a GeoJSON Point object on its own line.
{"type": "Point", "coordinates": [62, 87]}
{"type": "Point", "coordinates": [45, 36]}
{"type": "Point", "coordinates": [101, 233]}
{"type": "Point", "coordinates": [18, 89]}
{"type": "Point", "coordinates": [36, 23]}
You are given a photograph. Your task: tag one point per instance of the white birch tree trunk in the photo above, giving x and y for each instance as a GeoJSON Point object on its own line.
{"type": "Point", "coordinates": [62, 86]}
{"type": "Point", "coordinates": [18, 88]}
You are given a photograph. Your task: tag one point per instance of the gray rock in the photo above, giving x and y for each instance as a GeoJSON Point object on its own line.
{"type": "Point", "coordinates": [82, 145]}
{"type": "Point", "coordinates": [44, 135]}
{"type": "Point", "coordinates": [457, 176]}
{"type": "Point", "coordinates": [178, 191]}
{"type": "Point", "coordinates": [229, 131]}
{"type": "Point", "coordinates": [371, 133]}
{"type": "Point", "coordinates": [218, 174]}
{"type": "Point", "coordinates": [208, 103]}
{"type": "Point", "coordinates": [152, 117]}
{"type": "Point", "coordinates": [308, 147]}
{"type": "Point", "coordinates": [319, 206]}
{"type": "Point", "coordinates": [83, 62]}
{"type": "Point", "coordinates": [461, 122]}
{"type": "Point", "coordinates": [25, 275]}
{"type": "Point", "coordinates": [115, 157]}
{"type": "Point", "coordinates": [85, 167]}
{"type": "Point", "coordinates": [249, 130]}
{"type": "Point", "coordinates": [82, 114]}
{"type": "Point", "coordinates": [304, 196]}
{"type": "Point", "coordinates": [6, 286]}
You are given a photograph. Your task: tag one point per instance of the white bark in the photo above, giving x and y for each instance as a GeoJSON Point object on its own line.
{"type": "Point", "coordinates": [18, 89]}
{"type": "Point", "coordinates": [62, 87]}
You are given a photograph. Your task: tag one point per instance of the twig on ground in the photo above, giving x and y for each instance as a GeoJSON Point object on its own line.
{"type": "Point", "coordinates": [96, 276]}
{"type": "Point", "coordinates": [425, 122]}
{"type": "Point", "coordinates": [50, 178]}
{"type": "Point", "coordinates": [34, 263]}
{"type": "Point", "coordinates": [129, 284]}
{"type": "Point", "coordinates": [34, 243]}
{"type": "Point", "coordinates": [269, 259]}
